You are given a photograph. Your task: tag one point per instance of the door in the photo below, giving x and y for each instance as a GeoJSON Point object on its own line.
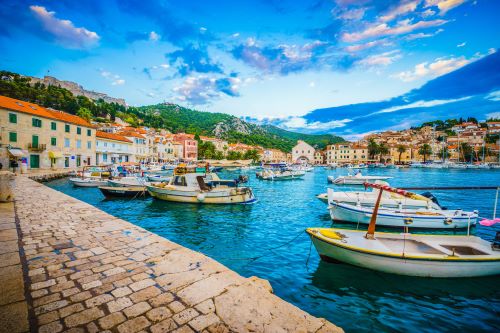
{"type": "Point", "coordinates": [34, 141]}
{"type": "Point", "coordinates": [34, 161]}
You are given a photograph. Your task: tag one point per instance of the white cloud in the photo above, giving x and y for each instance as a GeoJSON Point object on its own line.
{"type": "Point", "coordinates": [444, 5]}
{"type": "Point", "coordinates": [461, 44]}
{"type": "Point", "coordinates": [299, 122]}
{"type": "Point", "coordinates": [419, 104]}
{"type": "Point", "coordinates": [153, 36]}
{"type": "Point", "coordinates": [427, 13]}
{"type": "Point", "coordinates": [440, 66]}
{"type": "Point", "coordinates": [115, 79]}
{"type": "Point", "coordinates": [494, 96]}
{"type": "Point", "coordinates": [64, 31]}
{"type": "Point", "coordinates": [423, 35]}
{"type": "Point", "coordinates": [118, 82]}
{"type": "Point", "coordinates": [382, 59]}
{"type": "Point", "coordinates": [165, 66]}
{"type": "Point", "coordinates": [404, 7]}
{"type": "Point", "coordinates": [351, 14]}
{"type": "Point", "coordinates": [383, 29]}
{"type": "Point", "coordinates": [235, 35]}
{"type": "Point", "coordinates": [495, 115]}
{"type": "Point", "coordinates": [368, 45]}
{"type": "Point", "coordinates": [312, 84]}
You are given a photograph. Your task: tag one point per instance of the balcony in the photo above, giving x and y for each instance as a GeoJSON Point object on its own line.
{"type": "Point", "coordinates": [37, 147]}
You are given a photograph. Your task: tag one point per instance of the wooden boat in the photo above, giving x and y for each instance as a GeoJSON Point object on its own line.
{"type": "Point", "coordinates": [128, 182]}
{"type": "Point", "coordinates": [280, 174]}
{"type": "Point", "coordinates": [193, 186]}
{"type": "Point", "coordinates": [88, 182]}
{"type": "Point", "coordinates": [129, 191]}
{"type": "Point", "coordinates": [440, 256]}
{"type": "Point", "coordinates": [92, 176]}
{"type": "Point", "coordinates": [357, 179]}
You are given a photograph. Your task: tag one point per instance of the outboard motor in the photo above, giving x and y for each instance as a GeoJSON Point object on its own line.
{"type": "Point", "coordinates": [431, 196]}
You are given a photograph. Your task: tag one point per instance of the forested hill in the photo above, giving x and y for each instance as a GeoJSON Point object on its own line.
{"type": "Point", "coordinates": [168, 116]}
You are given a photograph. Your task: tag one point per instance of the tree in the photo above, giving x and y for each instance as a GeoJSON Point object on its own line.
{"type": "Point", "coordinates": [486, 152]}
{"type": "Point", "coordinates": [465, 151]}
{"type": "Point", "coordinates": [252, 154]}
{"type": "Point", "coordinates": [443, 152]}
{"type": "Point", "coordinates": [383, 150]}
{"type": "Point", "coordinates": [206, 150]}
{"type": "Point", "coordinates": [234, 155]}
{"type": "Point", "coordinates": [401, 150]}
{"type": "Point", "coordinates": [218, 155]}
{"type": "Point", "coordinates": [84, 113]}
{"type": "Point", "coordinates": [425, 150]}
{"type": "Point", "coordinates": [373, 148]}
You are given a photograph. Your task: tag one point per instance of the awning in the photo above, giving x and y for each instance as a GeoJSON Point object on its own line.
{"type": "Point", "coordinates": [115, 155]}
{"type": "Point", "coordinates": [16, 152]}
{"type": "Point", "coordinates": [55, 154]}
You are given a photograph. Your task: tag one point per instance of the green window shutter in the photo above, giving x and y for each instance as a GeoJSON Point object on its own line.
{"type": "Point", "coordinates": [13, 118]}
{"type": "Point", "coordinates": [78, 130]}
{"type": "Point", "coordinates": [53, 126]}
{"type": "Point", "coordinates": [89, 132]}
{"type": "Point", "coordinates": [53, 141]}
{"type": "Point", "coordinates": [66, 128]}
{"type": "Point", "coordinates": [12, 136]}
{"type": "Point", "coordinates": [36, 122]}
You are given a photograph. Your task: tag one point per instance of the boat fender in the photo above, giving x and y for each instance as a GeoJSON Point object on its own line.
{"type": "Point", "coordinates": [448, 221]}
{"type": "Point", "coordinates": [200, 197]}
{"type": "Point", "coordinates": [408, 220]}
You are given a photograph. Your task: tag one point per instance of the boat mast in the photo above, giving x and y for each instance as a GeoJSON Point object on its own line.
{"type": "Point", "coordinates": [373, 220]}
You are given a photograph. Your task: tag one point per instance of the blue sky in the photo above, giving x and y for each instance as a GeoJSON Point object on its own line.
{"type": "Point", "coordinates": [268, 60]}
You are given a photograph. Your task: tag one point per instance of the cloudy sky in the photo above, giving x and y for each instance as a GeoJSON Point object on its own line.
{"type": "Point", "coordinates": [261, 59]}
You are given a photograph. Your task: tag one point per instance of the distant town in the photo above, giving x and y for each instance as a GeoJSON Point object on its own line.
{"type": "Point", "coordinates": [42, 138]}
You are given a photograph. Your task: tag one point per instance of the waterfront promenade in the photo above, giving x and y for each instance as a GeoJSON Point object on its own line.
{"type": "Point", "coordinates": [67, 266]}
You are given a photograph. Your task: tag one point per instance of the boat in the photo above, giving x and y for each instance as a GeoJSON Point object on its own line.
{"type": "Point", "coordinates": [358, 166]}
{"type": "Point", "coordinates": [158, 178]}
{"type": "Point", "coordinates": [416, 218]}
{"type": "Point", "coordinates": [438, 256]}
{"type": "Point", "coordinates": [128, 191]}
{"type": "Point", "coordinates": [424, 255]}
{"type": "Point", "coordinates": [92, 176]}
{"type": "Point", "coordinates": [127, 181]}
{"type": "Point", "coordinates": [357, 179]}
{"type": "Point", "coordinates": [388, 200]}
{"type": "Point", "coordinates": [280, 174]}
{"type": "Point", "coordinates": [193, 185]}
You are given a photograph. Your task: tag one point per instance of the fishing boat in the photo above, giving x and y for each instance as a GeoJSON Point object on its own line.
{"type": "Point", "coordinates": [358, 166]}
{"type": "Point", "coordinates": [158, 178]}
{"type": "Point", "coordinates": [92, 176]}
{"type": "Point", "coordinates": [280, 174]}
{"type": "Point", "coordinates": [440, 256]}
{"type": "Point", "coordinates": [357, 179]}
{"type": "Point", "coordinates": [195, 185]}
{"type": "Point", "coordinates": [127, 181]}
{"type": "Point", "coordinates": [389, 200]}
{"type": "Point", "coordinates": [128, 191]}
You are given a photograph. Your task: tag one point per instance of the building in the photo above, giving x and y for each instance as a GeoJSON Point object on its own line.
{"type": "Point", "coordinates": [303, 153]}
{"type": "Point", "coordinates": [319, 157]}
{"type": "Point", "coordinates": [139, 146]}
{"type": "Point", "coordinates": [189, 146]}
{"type": "Point", "coordinates": [396, 157]}
{"type": "Point", "coordinates": [112, 148]}
{"type": "Point", "coordinates": [273, 156]}
{"type": "Point", "coordinates": [464, 126]}
{"type": "Point", "coordinates": [493, 127]}
{"type": "Point", "coordinates": [346, 153]}
{"type": "Point", "coordinates": [220, 145]}
{"type": "Point", "coordinates": [40, 138]}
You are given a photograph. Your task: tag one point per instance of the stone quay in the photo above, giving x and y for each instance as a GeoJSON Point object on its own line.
{"type": "Point", "coordinates": [66, 266]}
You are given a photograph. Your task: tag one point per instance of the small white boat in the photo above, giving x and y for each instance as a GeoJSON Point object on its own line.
{"type": "Point", "coordinates": [158, 178]}
{"type": "Point", "coordinates": [92, 176]}
{"type": "Point", "coordinates": [439, 256]}
{"type": "Point", "coordinates": [128, 182]}
{"type": "Point", "coordinates": [416, 218]}
{"type": "Point", "coordinates": [88, 182]}
{"type": "Point", "coordinates": [388, 200]}
{"type": "Point", "coordinates": [280, 174]}
{"type": "Point", "coordinates": [358, 166]}
{"type": "Point", "coordinates": [357, 179]}
{"type": "Point", "coordinates": [194, 186]}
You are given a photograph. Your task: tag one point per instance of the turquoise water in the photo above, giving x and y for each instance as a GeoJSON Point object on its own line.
{"type": "Point", "coordinates": [267, 239]}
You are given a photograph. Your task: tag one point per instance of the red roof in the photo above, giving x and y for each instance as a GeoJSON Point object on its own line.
{"type": "Point", "coordinates": [131, 134]}
{"type": "Point", "coordinates": [112, 136]}
{"type": "Point", "coordinates": [40, 111]}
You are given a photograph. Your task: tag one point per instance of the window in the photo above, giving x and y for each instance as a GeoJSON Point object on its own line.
{"type": "Point", "coordinates": [89, 132]}
{"type": "Point", "coordinates": [13, 118]}
{"type": "Point", "coordinates": [66, 143]}
{"type": "Point", "coordinates": [36, 122]}
{"type": "Point", "coordinates": [78, 130]}
{"type": "Point", "coordinates": [66, 161]}
{"type": "Point", "coordinates": [53, 141]}
{"type": "Point", "coordinates": [78, 143]}
{"type": "Point", "coordinates": [66, 128]}
{"type": "Point", "coordinates": [89, 144]}
{"type": "Point", "coordinates": [78, 160]}
{"type": "Point", "coordinates": [12, 136]}
{"type": "Point", "coordinates": [53, 125]}
{"type": "Point", "coordinates": [104, 157]}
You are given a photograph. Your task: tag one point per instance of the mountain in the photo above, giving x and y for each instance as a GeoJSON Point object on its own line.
{"type": "Point", "coordinates": [175, 118]}
{"type": "Point", "coordinates": [473, 90]}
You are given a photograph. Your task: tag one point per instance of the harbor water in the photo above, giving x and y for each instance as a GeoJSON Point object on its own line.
{"type": "Point", "coordinates": [267, 239]}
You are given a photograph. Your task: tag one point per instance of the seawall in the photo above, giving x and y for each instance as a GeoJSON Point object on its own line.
{"type": "Point", "coordinates": [68, 266]}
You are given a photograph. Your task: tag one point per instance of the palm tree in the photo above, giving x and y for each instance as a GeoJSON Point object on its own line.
{"type": "Point", "coordinates": [425, 150]}
{"type": "Point", "coordinates": [401, 150]}
{"type": "Point", "coordinates": [443, 152]}
{"type": "Point", "coordinates": [373, 148]}
{"type": "Point", "coordinates": [383, 150]}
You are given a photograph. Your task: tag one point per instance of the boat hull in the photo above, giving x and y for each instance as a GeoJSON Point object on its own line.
{"type": "Point", "coordinates": [214, 197]}
{"type": "Point", "coordinates": [112, 191]}
{"type": "Point", "coordinates": [87, 183]}
{"type": "Point", "coordinates": [353, 214]}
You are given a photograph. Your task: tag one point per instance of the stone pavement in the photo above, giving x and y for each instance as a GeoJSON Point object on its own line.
{"type": "Point", "coordinates": [87, 271]}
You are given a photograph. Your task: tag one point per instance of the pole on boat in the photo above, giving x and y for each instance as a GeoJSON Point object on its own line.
{"type": "Point", "coordinates": [370, 234]}
{"type": "Point", "coordinates": [496, 202]}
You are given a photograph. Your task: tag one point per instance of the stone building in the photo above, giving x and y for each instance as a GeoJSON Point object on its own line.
{"type": "Point", "coordinates": [112, 148]}
{"type": "Point", "coordinates": [303, 153]}
{"type": "Point", "coordinates": [41, 138]}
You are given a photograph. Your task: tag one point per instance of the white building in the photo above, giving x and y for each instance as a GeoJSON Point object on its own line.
{"type": "Point", "coordinates": [303, 153]}
{"type": "Point", "coordinates": [112, 148]}
{"type": "Point", "coordinates": [140, 149]}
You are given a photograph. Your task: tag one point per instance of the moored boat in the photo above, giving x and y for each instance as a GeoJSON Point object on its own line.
{"type": "Point", "coordinates": [127, 182]}
{"type": "Point", "coordinates": [357, 179]}
{"type": "Point", "coordinates": [280, 174]}
{"type": "Point", "coordinates": [92, 176]}
{"type": "Point", "coordinates": [128, 191]}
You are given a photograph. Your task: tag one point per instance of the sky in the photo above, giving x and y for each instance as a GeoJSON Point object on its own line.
{"type": "Point", "coordinates": [270, 61]}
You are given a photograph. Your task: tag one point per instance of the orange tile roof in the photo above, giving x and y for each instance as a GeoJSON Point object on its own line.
{"type": "Point", "coordinates": [131, 134]}
{"type": "Point", "coordinates": [40, 111]}
{"type": "Point", "coordinates": [112, 136]}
